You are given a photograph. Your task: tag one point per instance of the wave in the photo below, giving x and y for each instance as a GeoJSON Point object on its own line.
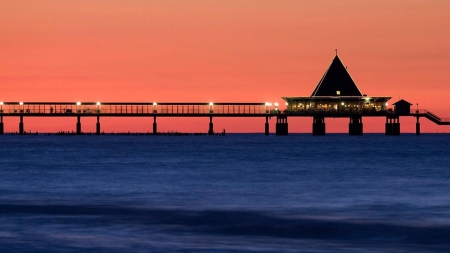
{"type": "Point", "coordinates": [246, 223]}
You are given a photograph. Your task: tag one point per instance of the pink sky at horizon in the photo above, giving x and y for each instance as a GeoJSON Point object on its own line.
{"type": "Point", "coordinates": [222, 51]}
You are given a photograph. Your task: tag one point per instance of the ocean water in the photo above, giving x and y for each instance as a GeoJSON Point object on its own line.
{"type": "Point", "coordinates": [233, 193]}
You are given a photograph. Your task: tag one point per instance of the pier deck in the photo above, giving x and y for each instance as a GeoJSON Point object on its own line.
{"type": "Point", "coordinates": [184, 109]}
{"type": "Point", "coordinates": [133, 109]}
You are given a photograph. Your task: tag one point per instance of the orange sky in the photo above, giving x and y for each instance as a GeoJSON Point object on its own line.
{"type": "Point", "coordinates": [223, 51]}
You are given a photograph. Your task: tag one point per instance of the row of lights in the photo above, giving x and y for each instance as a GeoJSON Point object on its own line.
{"type": "Point", "coordinates": [275, 104]}
{"type": "Point", "coordinates": [78, 103]}
{"type": "Point", "coordinates": [320, 104]}
{"type": "Point", "coordinates": [154, 103]}
{"type": "Point", "coordinates": [344, 103]}
{"type": "Point", "coordinates": [20, 103]}
{"type": "Point", "coordinates": [98, 103]}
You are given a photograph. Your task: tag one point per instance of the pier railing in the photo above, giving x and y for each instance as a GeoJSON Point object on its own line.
{"type": "Point", "coordinates": [86, 108]}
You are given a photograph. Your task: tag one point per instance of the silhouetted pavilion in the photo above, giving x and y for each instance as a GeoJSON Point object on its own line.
{"type": "Point", "coordinates": [337, 94]}
{"type": "Point", "coordinates": [336, 91]}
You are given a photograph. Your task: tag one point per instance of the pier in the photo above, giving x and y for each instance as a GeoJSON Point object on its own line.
{"type": "Point", "coordinates": [209, 110]}
{"type": "Point", "coordinates": [335, 96]}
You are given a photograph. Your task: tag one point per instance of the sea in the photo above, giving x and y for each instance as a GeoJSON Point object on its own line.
{"type": "Point", "coordinates": [232, 193]}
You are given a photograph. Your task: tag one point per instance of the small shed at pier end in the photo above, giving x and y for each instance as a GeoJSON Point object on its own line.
{"type": "Point", "coordinates": [402, 107]}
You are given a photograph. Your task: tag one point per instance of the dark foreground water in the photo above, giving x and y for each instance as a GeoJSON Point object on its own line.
{"type": "Point", "coordinates": [234, 193]}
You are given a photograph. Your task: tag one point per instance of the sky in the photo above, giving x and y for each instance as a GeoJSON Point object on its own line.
{"type": "Point", "coordinates": [221, 51]}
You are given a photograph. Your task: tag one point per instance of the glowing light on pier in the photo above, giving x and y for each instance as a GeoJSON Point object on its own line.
{"type": "Point", "coordinates": [78, 103]}
{"type": "Point", "coordinates": [211, 108]}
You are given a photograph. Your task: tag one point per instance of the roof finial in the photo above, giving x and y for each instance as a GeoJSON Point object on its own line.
{"type": "Point", "coordinates": [336, 51]}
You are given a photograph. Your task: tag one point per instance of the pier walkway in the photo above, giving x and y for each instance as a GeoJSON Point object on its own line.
{"type": "Point", "coordinates": [211, 110]}
{"type": "Point", "coordinates": [133, 109]}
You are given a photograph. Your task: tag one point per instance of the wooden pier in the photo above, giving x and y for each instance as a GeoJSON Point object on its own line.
{"type": "Point", "coordinates": [79, 110]}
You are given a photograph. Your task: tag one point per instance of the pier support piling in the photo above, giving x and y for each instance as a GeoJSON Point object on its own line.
{"type": "Point", "coordinates": [397, 127]}
{"type": "Point", "coordinates": [355, 127]}
{"type": "Point", "coordinates": [21, 125]}
{"type": "Point", "coordinates": [318, 126]}
{"type": "Point", "coordinates": [266, 126]}
{"type": "Point", "coordinates": [98, 126]}
{"type": "Point", "coordinates": [1, 125]}
{"type": "Point", "coordinates": [388, 126]}
{"type": "Point", "coordinates": [417, 127]}
{"type": "Point", "coordinates": [393, 125]}
{"type": "Point", "coordinates": [155, 127]}
{"type": "Point", "coordinates": [78, 125]}
{"type": "Point", "coordinates": [211, 129]}
{"type": "Point", "coordinates": [281, 125]}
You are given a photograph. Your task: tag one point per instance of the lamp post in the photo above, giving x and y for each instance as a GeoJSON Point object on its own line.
{"type": "Point", "coordinates": [211, 107]}
{"type": "Point", "coordinates": [98, 107]}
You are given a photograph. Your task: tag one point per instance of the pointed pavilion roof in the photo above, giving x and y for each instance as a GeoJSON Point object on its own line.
{"type": "Point", "coordinates": [335, 79]}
